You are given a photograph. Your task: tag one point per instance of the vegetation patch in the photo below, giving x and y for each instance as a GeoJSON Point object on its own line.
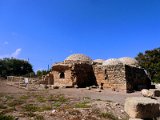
{"type": "Point", "coordinates": [47, 107]}
{"type": "Point", "coordinates": [83, 104]}
{"type": "Point", "coordinates": [39, 117]}
{"type": "Point", "coordinates": [41, 99]}
{"type": "Point", "coordinates": [110, 116]}
{"type": "Point", "coordinates": [24, 97]}
{"type": "Point", "coordinates": [31, 108]}
{"type": "Point", "coordinates": [59, 100]}
{"type": "Point", "coordinates": [15, 103]}
{"type": "Point", "coordinates": [6, 117]}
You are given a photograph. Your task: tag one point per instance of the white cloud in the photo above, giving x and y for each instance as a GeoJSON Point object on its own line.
{"type": "Point", "coordinates": [14, 54]}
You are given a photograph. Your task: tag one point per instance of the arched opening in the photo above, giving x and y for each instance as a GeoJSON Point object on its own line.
{"type": "Point", "coordinates": [62, 75]}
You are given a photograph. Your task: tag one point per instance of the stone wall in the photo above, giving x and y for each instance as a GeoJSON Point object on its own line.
{"type": "Point", "coordinates": [80, 74]}
{"type": "Point", "coordinates": [121, 77]}
{"type": "Point", "coordinates": [136, 78]}
{"type": "Point", "coordinates": [62, 75]}
{"type": "Point", "coordinates": [84, 75]}
{"type": "Point", "coordinates": [111, 76]}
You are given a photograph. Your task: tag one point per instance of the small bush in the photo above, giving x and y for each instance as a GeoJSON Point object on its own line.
{"type": "Point", "coordinates": [57, 104]}
{"type": "Point", "coordinates": [31, 108]}
{"type": "Point", "coordinates": [110, 116]}
{"type": "Point", "coordinates": [59, 101]}
{"type": "Point", "coordinates": [41, 99]}
{"type": "Point", "coordinates": [62, 99]}
{"type": "Point", "coordinates": [6, 117]}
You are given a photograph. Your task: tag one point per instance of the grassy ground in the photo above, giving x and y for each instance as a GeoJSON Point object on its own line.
{"type": "Point", "coordinates": [45, 105]}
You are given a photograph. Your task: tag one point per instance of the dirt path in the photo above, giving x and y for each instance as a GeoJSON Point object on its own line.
{"type": "Point", "coordinates": [93, 94]}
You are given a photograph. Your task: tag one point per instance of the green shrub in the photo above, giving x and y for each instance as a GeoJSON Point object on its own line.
{"type": "Point", "coordinates": [62, 99]}
{"type": "Point", "coordinates": [57, 104]}
{"type": "Point", "coordinates": [6, 117]}
{"type": "Point", "coordinates": [110, 116]}
{"type": "Point", "coordinates": [83, 104]}
{"type": "Point", "coordinates": [31, 108]}
{"type": "Point", "coordinates": [41, 99]}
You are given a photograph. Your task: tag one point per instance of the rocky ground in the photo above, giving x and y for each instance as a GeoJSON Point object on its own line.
{"type": "Point", "coordinates": [62, 104]}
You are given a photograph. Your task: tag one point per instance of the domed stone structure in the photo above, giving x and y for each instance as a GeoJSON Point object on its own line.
{"type": "Point", "coordinates": [118, 74]}
{"type": "Point", "coordinates": [129, 61]}
{"type": "Point", "coordinates": [79, 57]}
{"type": "Point", "coordinates": [99, 61]}
{"type": "Point", "coordinates": [112, 61]}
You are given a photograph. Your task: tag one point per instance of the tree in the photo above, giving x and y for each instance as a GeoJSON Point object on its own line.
{"type": "Point", "coordinates": [150, 60]}
{"type": "Point", "coordinates": [42, 72]}
{"type": "Point", "coordinates": [14, 67]}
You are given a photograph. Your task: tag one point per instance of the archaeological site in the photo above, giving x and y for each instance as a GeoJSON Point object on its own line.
{"type": "Point", "coordinates": [81, 71]}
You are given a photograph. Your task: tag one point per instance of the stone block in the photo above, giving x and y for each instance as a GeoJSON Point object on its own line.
{"type": "Point", "coordinates": [147, 93]}
{"type": "Point", "coordinates": [141, 107]}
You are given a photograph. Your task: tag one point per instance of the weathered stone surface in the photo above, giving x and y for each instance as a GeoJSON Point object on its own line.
{"type": "Point", "coordinates": [135, 119]}
{"type": "Point", "coordinates": [141, 107]}
{"type": "Point", "coordinates": [156, 92]}
{"type": "Point", "coordinates": [80, 70]}
{"type": "Point", "coordinates": [147, 93]}
{"type": "Point", "coordinates": [121, 77]}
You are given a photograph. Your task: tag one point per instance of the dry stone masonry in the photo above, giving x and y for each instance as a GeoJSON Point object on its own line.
{"type": "Point", "coordinates": [118, 74]}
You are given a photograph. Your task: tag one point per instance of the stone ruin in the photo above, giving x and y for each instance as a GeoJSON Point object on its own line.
{"type": "Point", "coordinates": [81, 71]}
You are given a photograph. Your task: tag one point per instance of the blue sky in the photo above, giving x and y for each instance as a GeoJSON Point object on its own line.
{"type": "Point", "coordinates": [47, 31]}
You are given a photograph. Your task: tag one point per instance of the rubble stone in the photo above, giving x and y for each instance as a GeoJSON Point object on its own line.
{"type": "Point", "coordinates": [147, 93]}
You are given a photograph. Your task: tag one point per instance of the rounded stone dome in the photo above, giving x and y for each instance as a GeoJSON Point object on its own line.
{"type": "Point", "coordinates": [79, 57]}
{"type": "Point", "coordinates": [129, 61]}
{"type": "Point", "coordinates": [112, 61]}
{"type": "Point", "coordinates": [99, 60]}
